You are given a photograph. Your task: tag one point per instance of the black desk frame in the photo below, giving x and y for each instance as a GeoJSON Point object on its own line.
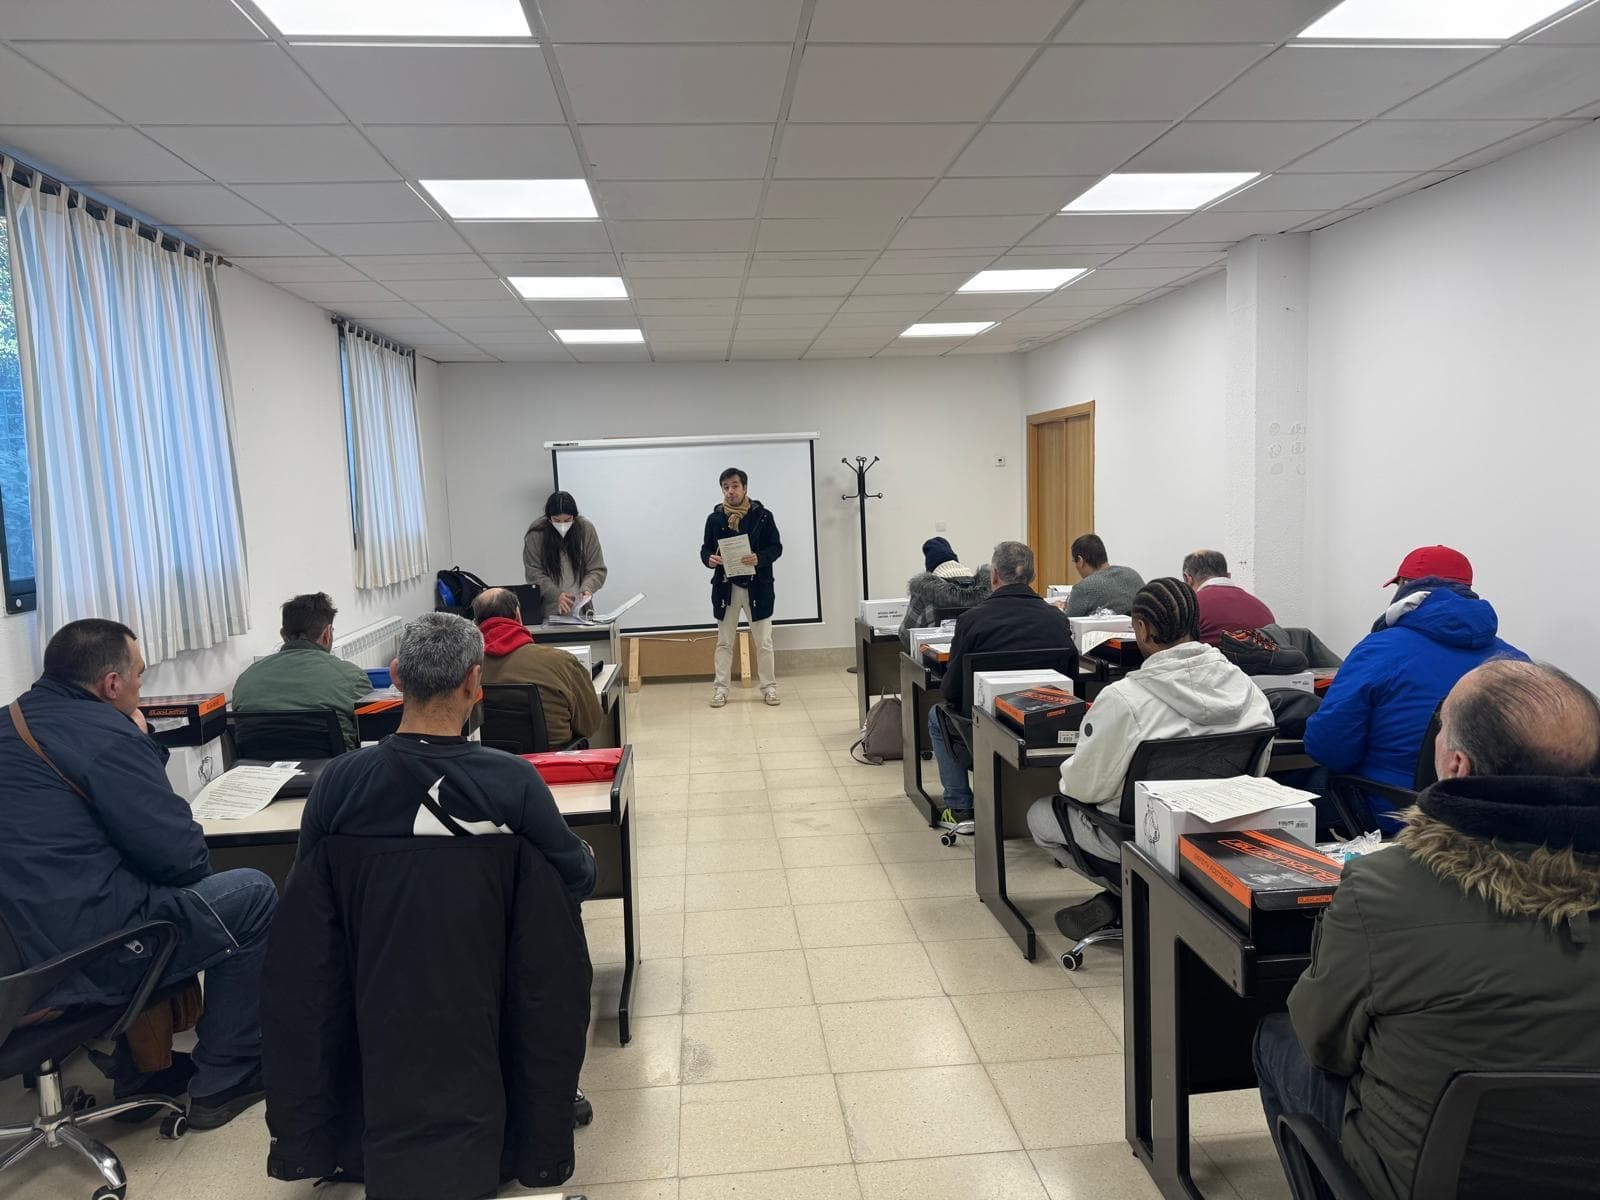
{"type": "Point", "coordinates": [608, 830]}
{"type": "Point", "coordinates": [875, 665]}
{"type": "Point", "coordinates": [919, 692]}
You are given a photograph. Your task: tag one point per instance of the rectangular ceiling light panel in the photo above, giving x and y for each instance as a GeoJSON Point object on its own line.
{"type": "Point", "coordinates": [1023, 281]}
{"type": "Point", "coordinates": [514, 199]}
{"type": "Point", "coordinates": [1179, 191]}
{"type": "Point", "coordinates": [1431, 20]}
{"type": "Point", "coordinates": [599, 337]}
{"type": "Point", "coordinates": [947, 329]}
{"type": "Point", "coordinates": [397, 18]}
{"type": "Point", "coordinates": [569, 287]}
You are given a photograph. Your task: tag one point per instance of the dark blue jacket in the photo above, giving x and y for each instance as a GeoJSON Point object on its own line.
{"type": "Point", "coordinates": [765, 544]}
{"type": "Point", "coordinates": [1376, 712]}
{"type": "Point", "coordinates": [73, 870]}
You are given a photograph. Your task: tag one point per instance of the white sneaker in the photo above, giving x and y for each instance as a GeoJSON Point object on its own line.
{"type": "Point", "coordinates": [719, 697]}
{"type": "Point", "coordinates": [770, 695]}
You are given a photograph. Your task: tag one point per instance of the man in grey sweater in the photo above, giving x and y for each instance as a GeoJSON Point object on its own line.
{"type": "Point", "coordinates": [1101, 585]}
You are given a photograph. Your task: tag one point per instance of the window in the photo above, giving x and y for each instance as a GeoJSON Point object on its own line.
{"type": "Point", "coordinates": [16, 548]}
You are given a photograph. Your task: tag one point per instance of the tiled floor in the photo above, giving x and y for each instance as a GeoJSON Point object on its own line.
{"type": "Point", "coordinates": [825, 1010]}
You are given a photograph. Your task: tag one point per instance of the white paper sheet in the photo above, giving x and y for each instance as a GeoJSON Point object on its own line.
{"type": "Point", "coordinates": [1215, 800]}
{"type": "Point", "coordinates": [241, 792]}
{"type": "Point", "coordinates": [732, 550]}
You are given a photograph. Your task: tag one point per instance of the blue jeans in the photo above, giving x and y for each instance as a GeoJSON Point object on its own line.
{"type": "Point", "coordinates": [230, 950]}
{"type": "Point", "coordinates": [1290, 1084]}
{"type": "Point", "coordinates": [952, 775]}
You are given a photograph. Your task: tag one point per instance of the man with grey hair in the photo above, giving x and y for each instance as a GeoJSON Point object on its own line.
{"type": "Point", "coordinates": [1468, 946]}
{"type": "Point", "coordinates": [1013, 617]}
{"type": "Point", "coordinates": [1223, 604]}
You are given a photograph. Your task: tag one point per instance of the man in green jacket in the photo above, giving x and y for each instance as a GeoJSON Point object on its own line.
{"type": "Point", "coordinates": [1469, 945]}
{"type": "Point", "coordinates": [303, 674]}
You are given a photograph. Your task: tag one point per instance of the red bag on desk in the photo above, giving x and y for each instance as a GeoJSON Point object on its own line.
{"type": "Point", "coordinates": [577, 766]}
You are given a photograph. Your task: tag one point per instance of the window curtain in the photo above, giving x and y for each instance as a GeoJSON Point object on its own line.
{"type": "Point", "coordinates": [391, 510]}
{"type": "Point", "coordinates": [136, 512]}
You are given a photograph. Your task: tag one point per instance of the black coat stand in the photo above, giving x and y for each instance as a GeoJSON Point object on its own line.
{"type": "Point", "coordinates": [861, 496]}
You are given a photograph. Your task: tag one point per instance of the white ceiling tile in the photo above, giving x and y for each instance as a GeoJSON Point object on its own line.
{"type": "Point", "coordinates": [932, 349]}
{"type": "Point", "coordinates": [804, 304]}
{"type": "Point", "coordinates": [1516, 142]}
{"type": "Point", "coordinates": [27, 95]}
{"type": "Point", "coordinates": [672, 20]}
{"type": "Point", "coordinates": [788, 325]}
{"type": "Point", "coordinates": [268, 241]}
{"type": "Point", "coordinates": [674, 266]}
{"type": "Point", "coordinates": [341, 293]}
{"type": "Point", "coordinates": [1322, 83]}
{"type": "Point", "coordinates": [864, 84]}
{"type": "Point", "coordinates": [1035, 258]}
{"type": "Point", "coordinates": [910, 285]}
{"type": "Point", "coordinates": [1280, 193]}
{"type": "Point", "coordinates": [686, 310]}
{"type": "Point", "coordinates": [1581, 26]}
{"type": "Point", "coordinates": [1002, 197]}
{"type": "Point", "coordinates": [1326, 219]}
{"type": "Point", "coordinates": [662, 289]}
{"type": "Point", "coordinates": [1406, 145]}
{"type": "Point", "coordinates": [1166, 257]}
{"type": "Point", "coordinates": [275, 153]}
{"type": "Point", "coordinates": [1118, 277]}
{"type": "Point", "coordinates": [639, 354]}
{"type": "Point", "coordinates": [689, 329]}
{"type": "Point", "coordinates": [677, 151]}
{"type": "Point", "coordinates": [868, 151]}
{"type": "Point", "coordinates": [93, 154]}
{"type": "Point", "coordinates": [801, 262]}
{"type": "Point", "coordinates": [800, 285]}
{"type": "Point", "coordinates": [844, 197]}
{"type": "Point", "coordinates": [667, 84]}
{"type": "Point", "coordinates": [977, 308]}
{"type": "Point", "coordinates": [1095, 229]}
{"type": "Point", "coordinates": [685, 354]}
{"type": "Point", "coordinates": [1223, 226]}
{"type": "Point", "coordinates": [556, 311]}
{"type": "Point", "coordinates": [436, 85]}
{"type": "Point", "coordinates": [824, 234]}
{"type": "Point", "coordinates": [552, 263]}
{"type": "Point", "coordinates": [929, 262]}
{"type": "Point", "coordinates": [769, 352]}
{"type": "Point", "coordinates": [919, 21]}
{"type": "Point", "coordinates": [479, 151]}
{"type": "Point", "coordinates": [224, 83]}
{"type": "Point", "coordinates": [1082, 302]}
{"type": "Point", "coordinates": [1235, 145]}
{"type": "Point", "coordinates": [383, 310]}
{"type": "Point", "coordinates": [448, 289]}
{"type": "Point", "coordinates": [521, 237]}
{"type": "Point", "coordinates": [1055, 149]}
{"type": "Point", "coordinates": [107, 20]}
{"type": "Point", "coordinates": [414, 327]}
{"type": "Point", "coordinates": [1519, 81]}
{"type": "Point", "coordinates": [312, 268]}
{"type": "Point", "coordinates": [190, 204]}
{"type": "Point", "coordinates": [1192, 20]}
{"type": "Point", "coordinates": [449, 310]}
{"type": "Point", "coordinates": [296, 203]}
{"type": "Point", "coordinates": [682, 235]}
{"type": "Point", "coordinates": [1124, 83]}
{"type": "Point", "coordinates": [856, 305]}
{"type": "Point", "coordinates": [421, 266]}
{"type": "Point", "coordinates": [472, 326]}
{"type": "Point", "coordinates": [1414, 183]}
{"type": "Point", "coordinates": [926, 233]}
{"type": "Point", "coordinates": [396, 237]}
{"type": "Point", "coordinates": [680, 199]}
{"type": "Point", "coordinates": [827, 352]}
{"type": "Point", "coordinates": [548, 350]}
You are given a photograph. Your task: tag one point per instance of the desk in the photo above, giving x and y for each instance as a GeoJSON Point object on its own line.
{"type": "Point", "coordinates": [608, 690]}
{"type": "Point", "coordinates": [604, 638]}
{"type": "Point", "coordinates": [600, 813]}
{"type": "Point", "coordinates": [876, 669]}
{"type": "Point", "coordinates": [919, 692]}
{"type": "Point", "coordinates": [1194, 990]}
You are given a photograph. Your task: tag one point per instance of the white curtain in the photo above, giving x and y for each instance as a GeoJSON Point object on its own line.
{"type": "Point", "coordinates": [391, 509]}
{"type": "Point", "coordinates": [135, 499]}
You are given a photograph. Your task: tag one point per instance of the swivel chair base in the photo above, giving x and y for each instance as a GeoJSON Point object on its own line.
{"type": "Point", "coordinates": [1072, 959]}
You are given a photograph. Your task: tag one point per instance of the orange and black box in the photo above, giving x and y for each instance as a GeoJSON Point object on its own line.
{"type": "Point", "coordinates": [190, 720]}
{"type": "Point", "coordinates": [1267, 882]}
{"type": "Point", "coordinates": [1044, 716]}
{"type": "Point", "coordinates": [936, 654]}
{"type": "Point", "coordinates": [1121, 652]}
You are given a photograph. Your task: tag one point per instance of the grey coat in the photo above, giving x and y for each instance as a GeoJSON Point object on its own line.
{"type": "Point", "coordinates": [592, 562]}
{"type": "Point", "coordinates": [929, 593]}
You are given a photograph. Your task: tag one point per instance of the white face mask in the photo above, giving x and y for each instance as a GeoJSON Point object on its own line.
{"type": "Point", "coordinates": [561, 527]}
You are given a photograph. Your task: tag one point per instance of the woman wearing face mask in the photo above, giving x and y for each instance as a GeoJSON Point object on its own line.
{"type": "Point", "coordinates": [561, 557]}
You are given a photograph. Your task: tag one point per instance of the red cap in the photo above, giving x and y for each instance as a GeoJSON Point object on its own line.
{"type": "Point", "coordinates": [1434, 562]}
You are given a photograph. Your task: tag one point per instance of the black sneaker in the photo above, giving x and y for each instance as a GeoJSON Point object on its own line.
{"type": "Point", "coordinates": [213, 1112]}
{"type": "Point", "coordinates": [173, 1083]}
{"type": "Point", "coordinates": [1080, 920]}
{"type": "Point", "coordinates": [582, 1110]}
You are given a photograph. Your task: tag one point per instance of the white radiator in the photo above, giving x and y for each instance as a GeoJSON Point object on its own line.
{"type": "Point", "coordinates": [372, 645]}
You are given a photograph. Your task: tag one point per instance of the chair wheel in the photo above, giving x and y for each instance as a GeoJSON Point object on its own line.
{"type": "Point", "coordinates": [174, 1126]}
{"type": "Point", "coordinates": [75, 1099]}
{"type": "Point", "coordinates": [949, 839]}
{"type": "Point", "coordinates": [111, 1193]}
{"type": "Point", "coordinates": [1072, 959]}
{"type": "Point", "coordinates": [926, 756]}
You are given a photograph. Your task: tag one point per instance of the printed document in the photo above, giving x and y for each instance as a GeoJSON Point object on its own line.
{"type": "Point", "coordinates": [1215, 800]}
{"type": "Point", "coordinates": [241, 792]}
{"type": "Point", "coordinates": [732, 550]}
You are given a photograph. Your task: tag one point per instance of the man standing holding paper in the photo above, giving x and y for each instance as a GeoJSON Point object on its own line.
{"type": "Point", "coordinates": [741, 543]}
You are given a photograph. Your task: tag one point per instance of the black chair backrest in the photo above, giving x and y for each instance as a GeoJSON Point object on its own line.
{"type": "Point", "coordinates": [513, 718]}
{"type": "Point", "coordinates": [1427, 773]}
{"type": "Point", "coordinates": [1063, 659]}
{"type": "Point", "coordinates": [1205, 756]}
{"type": "Point", "coordinates": [289, 734]}
{"type": "Point", "coordinates": [1496, 1134]}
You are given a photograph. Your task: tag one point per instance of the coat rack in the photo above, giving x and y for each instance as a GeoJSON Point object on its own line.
{"type": "Point", "coordinates": [862, 466]}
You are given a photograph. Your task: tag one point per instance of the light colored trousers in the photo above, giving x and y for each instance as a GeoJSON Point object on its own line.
{"type": "Point", "coordinates": [760, 634]}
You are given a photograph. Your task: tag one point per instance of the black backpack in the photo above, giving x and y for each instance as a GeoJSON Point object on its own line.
{"type": "Point", "coordinates": [454, 591]}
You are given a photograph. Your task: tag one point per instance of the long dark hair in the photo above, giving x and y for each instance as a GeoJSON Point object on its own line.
{"type": "Point", "coordinates": [554, 545]}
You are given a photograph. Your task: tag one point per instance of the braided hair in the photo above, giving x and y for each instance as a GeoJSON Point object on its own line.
{"type": "Point", "coordinates": [1168, 607]}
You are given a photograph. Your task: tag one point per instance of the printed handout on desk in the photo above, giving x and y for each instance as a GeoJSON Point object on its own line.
{"type": "Point", "coordinates": [1094, 638]}
{"type": "Point", "coordinates": [1215, 800]}
{"type": "Point", "coordinates": [733, 550]}
{"type": "Point", "coordinates": [241, 792]}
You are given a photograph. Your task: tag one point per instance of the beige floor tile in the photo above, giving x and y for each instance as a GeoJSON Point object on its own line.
{"type": "Point", "coordinates": [828, 850]}
{"type": "Point", "coordinates": [1108, 1172]}
{"type": "Point", "coordinates": [796, 799]}
{"type": "Point", "coordinates": [762, 1124]}
{"type": "Point", "coordinates": [845, 974]}
{"type": "Point", "coordinates": [1032, 872]}
{"type": "Point", "coordinates": [1249, 1163]}
{"type": "Point", "coordinates": [1012, 1026]}
{"type": "Point", "coordinates": [1063, 1101]}
{"type": "Point", "coordinates": [791, 779]}
{"type": "Point", "coordinates": [657, 988]}
{"type": "Point", "coordinates": [852, 923]}
{"type": "Point", "coordinates": [777, 762]}
{"type": "Point", "coordinates": [801, 1183]}
{"type": "Point", "coordinates": [740, 931]}
{"type": "Point", "coordinates": [650, 1059]}
{"type": "Point", "coordinates": [651, 787]}
{"type": "Point", "coordinates": [919, 845]}
{"type": "Point", "coordinates": [734, 889]}
{"type": "Point", "coordinates": [726, 763]}
{"type": "Point", "coordinates": [731, 801]}
{"type": "Point", "coordinates": [605, 937]}
{"type": "Point", "coordinates": [713, 858]}
{"type": "Point", "coordinates": [672, 805]}
{"type": "Point", "coordinates": [993, 965]}
{"type": "Point", "coordinates": [652, 861]}
{"type": "Point", "coordinates": [660, 893]}
{"type": "Point", "coordinates": [884, 1035]}
{"type": "Point", "coordinates": [722, 982]}
{"type": "Point", "coordinates": [729, 827]}
{"type": "Point", "coordinates": [952, 918]}
{"type": "Point", "coordinates": [661, 935]}
{"type": "Point", "coordinates": [787, 743]}
{"type": "Point", "coordinates": [226, 1161]}
{"type": "Point", "coordinates": [758, 1043]}
{"type": "Point", "coordinates": [889, 816]}
{"type": "Point", "coordinates": [748, 779]}
{"type": "Point", "coordinates": [823, 885]}
{"type": "Point", "coordinates": [952, 877]}
{"type": "Point", "coordinates": [923, 1113]}
{"type": "Point", "coordinates": [888, 787]}
{"type": "Point", "coordinates": [634, 1136]}
{"type": "Point", "coordinates": [1221, 1114]}
{"type": "Point", "coordinates": [661, 831]}
{"type": "Point", "coordinates": [961, 1177]}
{"type": "Point", "coordinates": [647, 1189]}
{"type": "Point", "coordinates": [1107, 1002]}
{"type": "Point", "coordinates": [804, 821]}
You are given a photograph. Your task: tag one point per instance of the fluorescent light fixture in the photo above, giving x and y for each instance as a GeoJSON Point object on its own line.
{"type": "Point", "coordinates": [569, 287]}
{"type": "Point", "coordinates": [599, 337]}
{"type": "Point", "coordinates": [948, 329]}
{"type": "Point", "coordinates": [1182, 191]}
{"type": "Point", "coordinates": [397, 18]}
{"type": "Point", "coordinates": [1022, 281]}
{"type": "Point", "coordinates": [514, 199]}
{"type": "Point", "coordinates": [1431, 20]}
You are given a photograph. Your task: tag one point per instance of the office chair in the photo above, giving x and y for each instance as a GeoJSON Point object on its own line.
{"type": "Point", "coordinates": [289, 734]}
{"type": "Point", "coordinates": [1207, 756]}
{"type": "Point", "coordinates": [1492, 1134]}
{"type": "Point", "coordinates": [37, 1049]}
{"type": "Point", "coordinates": [513, 720]}
{"type": "Point", "coordinates": [1348, 794]}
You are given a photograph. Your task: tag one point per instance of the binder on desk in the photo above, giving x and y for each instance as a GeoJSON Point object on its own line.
{"type": "Point", "coordinates": [1267, 882]}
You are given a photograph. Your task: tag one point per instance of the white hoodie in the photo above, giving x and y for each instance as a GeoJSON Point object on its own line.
{"type": "Point", "coordinates": [1185, 691]}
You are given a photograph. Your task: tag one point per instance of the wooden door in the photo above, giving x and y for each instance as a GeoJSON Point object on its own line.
{"type": "Point", "coordinates": [1060, 488]}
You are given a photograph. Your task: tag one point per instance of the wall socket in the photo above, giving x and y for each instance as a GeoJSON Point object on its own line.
{"type": "Point", "coordinates": [939, 526]}
{"type": "Point", "coordinates": [999, 460]}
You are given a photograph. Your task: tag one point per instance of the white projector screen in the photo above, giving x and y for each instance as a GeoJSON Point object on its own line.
{"type": "Point", "coordinates": [649, 499]}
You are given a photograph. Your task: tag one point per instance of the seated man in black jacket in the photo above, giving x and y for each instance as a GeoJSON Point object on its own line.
{"type": "Point", "coordinates": [1013, 617]}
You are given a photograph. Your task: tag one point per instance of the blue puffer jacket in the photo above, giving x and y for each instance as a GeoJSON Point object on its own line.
{"type": "Point", "coordinates": [1375, 714]}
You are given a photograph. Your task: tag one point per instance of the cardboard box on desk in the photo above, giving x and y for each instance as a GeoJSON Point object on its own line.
{"type": "Point", "coordinates": [1044, 716]}
{"type": "Point", "coordinates": [582, 651]}
{"type": "Point", "coordinates": [190, 768]}
{"type": "Point", "coordinates": [1165, 810]}
{"type": "Point", "coordinates": [1057, 594]}
{"type": "Point", "coordinates": [189, 720]}
{"type": "Point", "coordinates": [885, 614]}
{"type": "Point", "coordinates": [918, 638]}
{"type": "Point", "coordinates": [1268, 883]}
{"type": "Point", "coordinates": [988, 685]}
{"type": "Point", "coordinates": [936, 654]}
{"type": "Point", "coordinates": [1083, 626]}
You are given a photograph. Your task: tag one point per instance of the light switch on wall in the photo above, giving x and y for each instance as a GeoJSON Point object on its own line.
{"type": "Point", "coordinates": [999, 460]}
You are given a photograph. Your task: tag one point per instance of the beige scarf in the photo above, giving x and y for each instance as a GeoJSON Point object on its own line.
{"type": "Point", "coordinates": [735, 515]}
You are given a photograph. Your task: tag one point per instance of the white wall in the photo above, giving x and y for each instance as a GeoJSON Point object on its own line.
{"type": "Point", "coordinates": [1156, 375]}
{"type": "Point", "coordinates": [937, 423]}
{"type": "Point", "coordinates": [290, 450]}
